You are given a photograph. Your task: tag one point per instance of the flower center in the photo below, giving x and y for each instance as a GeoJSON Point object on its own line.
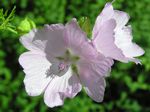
{"type": "Point", "coordinates": [64, 62]}
{"type": "Point", "coordinates": [59, 69]}
{"type": "Point", "coordinates": [68, 57]}
{"type": "Point", "coordinates": [62, 66]}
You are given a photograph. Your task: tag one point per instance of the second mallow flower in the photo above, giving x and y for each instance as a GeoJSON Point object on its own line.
{"type": "Point", "coordinates": [60, 61]}
{"type": "Point", "coordinates": [113, 38]}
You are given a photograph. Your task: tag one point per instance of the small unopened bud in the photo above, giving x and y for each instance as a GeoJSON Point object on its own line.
{"type": "Point", "coordinates": [25, 26]}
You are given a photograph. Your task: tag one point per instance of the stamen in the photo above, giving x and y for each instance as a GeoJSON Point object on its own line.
{"type": "Point", "coordinates": [62, 66]}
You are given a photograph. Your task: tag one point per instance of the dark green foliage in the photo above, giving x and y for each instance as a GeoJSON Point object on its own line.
{"type": "Point", "coordinates": [128, 87]}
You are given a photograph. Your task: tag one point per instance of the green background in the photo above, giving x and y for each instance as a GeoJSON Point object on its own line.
{"type": "Point", "coordinates": [128, 87]}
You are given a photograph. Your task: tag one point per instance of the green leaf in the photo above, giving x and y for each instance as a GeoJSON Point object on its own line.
{"type": "Point", "coordinates": [5, 20]}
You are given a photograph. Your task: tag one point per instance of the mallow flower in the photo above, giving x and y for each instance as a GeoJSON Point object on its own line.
{"type": "Point", "coordinates": [59, 61]}
{"type": "Point", "coordinates": [113, 38]}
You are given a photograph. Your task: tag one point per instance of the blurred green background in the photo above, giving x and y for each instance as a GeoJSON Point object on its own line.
{"type": "Point", "coordinates": [128, 87]}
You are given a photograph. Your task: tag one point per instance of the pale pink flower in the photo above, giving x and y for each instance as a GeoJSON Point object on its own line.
{"type": "Point", "coordinates": [112, 38]}
{"type": "Point", "coordinates": [60, 60]}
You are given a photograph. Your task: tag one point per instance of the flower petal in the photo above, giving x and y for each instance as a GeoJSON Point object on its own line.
{"type": "Point", "coordinates": [108, 13]}
{"type": "Point", "coordinates": [119, 46]}
{"type": "Point", "coordinates": [105, 15]}
{"type": "Point", "coordinates": [102, 65]}
{"type": "Point", "coordinates": [93, 82]}
{"type": "Point", "coordinates": [73, 35]}
{"type": "Point", "coordinates": [124, 42]}
{"type": "Point", "coordinates": [121, 19]}
{"type": "Point", "coordinates": [61, 87]}
{"type": "Point", "coordinates": [105, 41]}
{"type": "Point", "coordinates": [48, 39]}
{"type": "Point", "coordinates": [27, 41]}
{"type": "Point", "coordinates": [77, 40]}
{"type": "Point", "coordinates": [35, 67]}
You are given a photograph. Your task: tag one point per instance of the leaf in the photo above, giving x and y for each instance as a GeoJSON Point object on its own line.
{"type": "Point", "coordinates": [5, 20]}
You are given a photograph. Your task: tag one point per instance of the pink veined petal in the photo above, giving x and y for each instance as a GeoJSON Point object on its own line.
{"type": "Point", "coordinates": [73, 35]}
{"type": "Point", "coordinates": [105, 42]}
{"type": "Point", "coordinates": [92, 74]}
{"type": "Point", "coordinates": [102, 65]}
{"type": "Point", "coordinates": [60, 88]}
{"type": "Point", "coordinates": [48, 39]}
{"type": "Point", "coordinates": [105, 15]}
{"type": "Point", "coordinates": [108, 13]}
{"type": "Point", "coordinates": [36, 68]}
{"type": "Point", "coordinates": [77, 41]}
{"type": "Point", "coordinates": [87, 51]}
{"type": "Point", "coordinates": [93, 82]}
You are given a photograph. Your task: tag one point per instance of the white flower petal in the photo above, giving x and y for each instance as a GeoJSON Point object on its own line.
{"type": "Point", "coordinates": [27, 41]}
{"type": "Point", "coordinates": [61, 87]}
{"type": "Point", "coordinates": [121, 19]}
{"type": "Point", "coordinates": [123, 39]}
{"type": "Point", "coordinates": [36, 68]}
{"type": "Point", "coordinates": [105, 42]}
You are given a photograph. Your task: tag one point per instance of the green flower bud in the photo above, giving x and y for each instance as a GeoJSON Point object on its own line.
{"type": "Point", "coordinates": [25, 26]}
